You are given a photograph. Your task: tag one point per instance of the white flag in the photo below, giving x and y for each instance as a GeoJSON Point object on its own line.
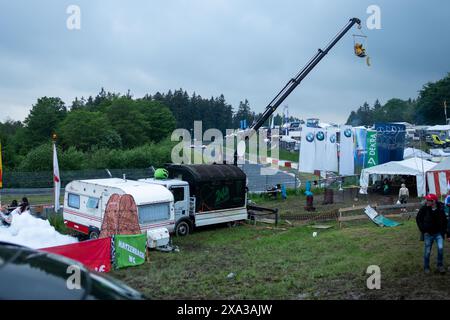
{"type": "Point", "coordinates": [331, 159]}
{"type": "Point", "coordinates": [320, 156]}
{"type": "Point", "coordinates": [56, 178]}
{"type": "Point", "coordinates": [307, 150]}
{"type": "Point", "coordinates": [346, 151]}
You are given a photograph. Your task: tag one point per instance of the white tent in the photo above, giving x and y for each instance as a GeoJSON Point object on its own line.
{"type": "Point", "coordinates": [439, 128]}
{"type": "Point", "coordinates": [410, 167]}
{"type": "Point", "coordinates": [439, 153]}
{"type": "Point", "coordinates": [416, 153]}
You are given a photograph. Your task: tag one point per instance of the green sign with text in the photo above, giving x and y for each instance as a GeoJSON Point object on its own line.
{"type": "Point", "coordinates": [372, 149]}
{"type": "Point", "coordinates": [129, 250]}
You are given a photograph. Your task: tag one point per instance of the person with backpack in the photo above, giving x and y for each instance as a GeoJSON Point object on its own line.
{"type": "Point", "coordinates": [432, 223]}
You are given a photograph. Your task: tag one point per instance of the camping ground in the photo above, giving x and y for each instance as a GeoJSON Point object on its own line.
{"type": "Point", "coordinates": [287, 262]}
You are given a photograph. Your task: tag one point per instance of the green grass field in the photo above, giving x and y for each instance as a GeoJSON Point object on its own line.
{"type": "Point", "coordinates": [289, 263]}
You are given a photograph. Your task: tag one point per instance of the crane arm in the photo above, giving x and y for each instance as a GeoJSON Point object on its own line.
{"type": "Point", "coordinates": [294, 82]}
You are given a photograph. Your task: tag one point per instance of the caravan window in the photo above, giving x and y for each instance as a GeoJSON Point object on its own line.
{"type": "Point", "coordinates": [92, 203]}
{"type": "Point", "coordinates": [74, 201]}
{"type": "Point", "coordinates": [153, 213]}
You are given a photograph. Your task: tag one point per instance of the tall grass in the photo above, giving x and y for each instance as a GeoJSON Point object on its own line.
{"type": "Point", "coordinates": [57, 221]}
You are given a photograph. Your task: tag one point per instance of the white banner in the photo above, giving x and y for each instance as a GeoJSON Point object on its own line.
{"type": "Point", "coordinates": [320, 140]}
{"type": "Point", "coordinates": [307, 150]}
{"type": "Point", "coordinates": [346, 151]}
{"type": "Point", "coordinates": [331, 159]}
{"type": "Point", "coordinates": [56, 178]}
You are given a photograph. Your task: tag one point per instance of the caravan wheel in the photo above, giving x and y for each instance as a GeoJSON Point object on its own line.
{"type": "Point", "coordinates": [93, 234]}
{"type": "Point", "coordinates": [183, 228]}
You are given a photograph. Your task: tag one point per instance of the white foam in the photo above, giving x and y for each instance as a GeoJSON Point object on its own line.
{"type": "Point", "coordinates": [32, 232]}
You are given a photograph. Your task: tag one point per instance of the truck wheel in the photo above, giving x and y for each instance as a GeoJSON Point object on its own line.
{"type": "Point", "coordinates": [183, 228]}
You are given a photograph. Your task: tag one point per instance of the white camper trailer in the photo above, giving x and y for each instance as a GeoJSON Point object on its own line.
{"type": "Point", "coordinates": [85, 203]}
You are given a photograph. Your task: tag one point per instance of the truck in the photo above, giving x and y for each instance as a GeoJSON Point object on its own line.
{"type": "Point", "coordinates": [205, 194]}
{"type": "Point", "coordinates": [85, 203]}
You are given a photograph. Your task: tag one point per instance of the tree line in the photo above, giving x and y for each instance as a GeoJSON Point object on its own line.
{"type": "Point", "coordinates": [426, 109]}
{"type": "Point", "coordinates": [112, 130]}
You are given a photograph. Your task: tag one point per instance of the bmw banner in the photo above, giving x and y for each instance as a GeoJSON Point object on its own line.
{"type": "Point", "coordinates": [320, 162]}
{"type": "Point", "coordinates": [346, 151]}
{"type": "Point", "coordinates": [331, 160]}
{"type": "Point", "coordinates": [307, 150]}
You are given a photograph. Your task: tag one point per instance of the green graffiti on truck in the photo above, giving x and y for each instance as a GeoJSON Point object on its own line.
{"type": "Point", "coordinates": [222, 195]}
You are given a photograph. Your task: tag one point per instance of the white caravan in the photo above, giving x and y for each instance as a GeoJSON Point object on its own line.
{"type": "Point", "coordinates": [85, 203]}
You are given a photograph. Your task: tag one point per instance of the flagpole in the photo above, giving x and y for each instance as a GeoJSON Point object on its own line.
{"type": "Point", "coordinates": [1, 175]}
{"type": "Point", "coordinates": [54, 177]}
{"type": "Point", "coordinates": [53, 171]}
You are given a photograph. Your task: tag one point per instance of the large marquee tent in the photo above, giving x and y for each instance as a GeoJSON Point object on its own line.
{"type": "Point", "coordinates": [410, 167]}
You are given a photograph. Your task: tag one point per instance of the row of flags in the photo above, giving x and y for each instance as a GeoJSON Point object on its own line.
{"type": "Point", "coordinates": [56, 176]}
{"type": "Point", "coordinates": [319, 151]}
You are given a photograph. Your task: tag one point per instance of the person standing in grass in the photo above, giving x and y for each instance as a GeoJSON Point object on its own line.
{"type": "Point", "coordinates": [403, 194]}
{"type": "Point", "coordinates": [432, 223]}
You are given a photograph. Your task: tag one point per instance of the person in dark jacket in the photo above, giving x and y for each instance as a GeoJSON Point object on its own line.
{"type": "Point", "coordinates": [25, 204]}
{"type": "Point", "coordinates": [432, 223]}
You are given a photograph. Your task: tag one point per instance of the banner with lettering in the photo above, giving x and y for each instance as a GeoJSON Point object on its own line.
{"type": "Point", "coordinates": [129, 250]}
{"type": "Point", "coordinates": [94, 254]}
{"type": "Point", "coordinates": [390, 141]}
{"type": "Point", "coordinates": [372, 150]}
{"type": "Point", "coordinates": [360, 148]}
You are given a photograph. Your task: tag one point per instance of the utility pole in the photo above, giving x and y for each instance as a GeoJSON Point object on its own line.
{"type": "Point", "coordinates": [445, 110]}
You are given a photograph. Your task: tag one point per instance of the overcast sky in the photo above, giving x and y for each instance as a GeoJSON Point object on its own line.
{"type": "Point", "coordinates": [241, 48]}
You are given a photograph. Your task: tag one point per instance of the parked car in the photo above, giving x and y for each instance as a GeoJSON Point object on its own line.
{"type": "Point", "coordinates": [28, 274]}
{"type": "Point", "coordinates": [435, 141]}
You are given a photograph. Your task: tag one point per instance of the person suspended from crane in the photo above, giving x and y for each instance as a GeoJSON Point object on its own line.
{"type": "Point", "coordinates": [360, 51]}
{"type": "Point", "coordinates": [360, 45]}
{"type": "Point", "coordinates": [294, 82]}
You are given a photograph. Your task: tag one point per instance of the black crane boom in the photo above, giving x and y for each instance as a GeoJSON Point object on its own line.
{"type": "Point", "coordinates": [294, 82]}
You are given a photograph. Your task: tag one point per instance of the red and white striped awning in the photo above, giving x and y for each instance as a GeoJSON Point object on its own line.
{"type": "Point", "coordinates": [438, 182]}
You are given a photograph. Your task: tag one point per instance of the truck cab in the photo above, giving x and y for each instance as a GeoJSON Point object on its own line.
{"type": "Point", "coordinates": [182, 203]}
